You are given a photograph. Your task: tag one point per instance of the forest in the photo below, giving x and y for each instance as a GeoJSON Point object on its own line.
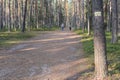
{"type": "Point", "coordinates": [33, 46]}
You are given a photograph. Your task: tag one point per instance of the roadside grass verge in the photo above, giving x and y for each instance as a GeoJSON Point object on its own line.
{"type": "Point", "coordinates": [10, 38]}
{"type": "Point", "coordinates": [45, 28]}
{"type": "Point", "coordinates": [113, 52]}
{"type": "Point", "coordinates": [40, 28]}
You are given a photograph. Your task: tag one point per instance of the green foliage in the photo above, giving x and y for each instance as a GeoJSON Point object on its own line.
{"type": "Point", "coordinates": [8, 38]}
{"type": "Point", "coordinates": [113, 51]}
{"type": "Point", "coordinates": [87, 42]}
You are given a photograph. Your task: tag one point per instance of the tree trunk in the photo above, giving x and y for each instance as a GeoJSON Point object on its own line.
{"type": "Point", "coordinates": [9, 16]}
{"type": "Point", "coordinates": [83, 25]}
{"type": "Point", "coordinates": [114, 21]}
{"type": "Point", "coordinates": [88, 16]}
{"type": "Point", "coordinates": [99, 41]}
{"type": "Point", "coordinates": [36, 10]}
{"type": "Point", "coordinates": [1, 14]}
{"type": "Point", "coordinates": [24, 18]}
{"type": "Point", "coordinates": [16, 14]}
{"type": "Point", "coordinates": [66, 12]}
{"type": "Point", "coordinates": [109, 16]}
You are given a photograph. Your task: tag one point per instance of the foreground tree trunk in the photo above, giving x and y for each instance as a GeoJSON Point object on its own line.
{"type": "Point", "coordinates": [99, 41]}
{"type": "Point", "coordinates": [114, 21]}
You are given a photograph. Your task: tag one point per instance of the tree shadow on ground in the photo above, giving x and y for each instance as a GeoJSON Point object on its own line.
{"type": "Point", "coordinates": [80, 74]}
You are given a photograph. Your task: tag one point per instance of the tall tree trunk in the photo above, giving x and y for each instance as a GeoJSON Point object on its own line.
{"type": "Point", "coordinates": [1, 14]}
{"type": "Point", "coordinates": [9, 16]}
{"type": "Point", "coordinates": [24, 17]}
{"type": "Point", "coordinates": [16, 14]}
{"type": "Point", "coordinates": [36, 10]}
{"type": "Point", "coordinates": [114, 21]}
{"type": "Point", "coordinates": [83, 24]}
{"type": "Point", "coordinates": [30, 14]}
{"type": "Point", "coordinates": [99, 42]}
{"type": "Point", "coordinates": [88, 16]}
{"type": "Point", "coordinates": [79, 12]}
{"type": "Point", "coordinates": [109, 16]}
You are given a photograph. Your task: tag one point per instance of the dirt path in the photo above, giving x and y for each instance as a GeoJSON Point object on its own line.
{"type": "Point", "coordinates": [50, 56]}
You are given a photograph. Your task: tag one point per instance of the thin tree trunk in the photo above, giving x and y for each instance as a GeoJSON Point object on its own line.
{"type": "Point", "coordinates": [1, 14]}
{"type": "Point", "coordinates": [24, 18]}
{"type": "Point", "coordinates": [9, 16]}
{"type": "Point", "coordinates": [114, 21]}
{"type": "Point", "coordinates": [109, 16]}
{"type": "Point", "coordinates": [36, 8]}
{"type": "Point", "coordinates": [83, 25]}
{"type": "Point", "coordinates": [16, 14]}
{"type": "Point", "coordinates": [88, 17]}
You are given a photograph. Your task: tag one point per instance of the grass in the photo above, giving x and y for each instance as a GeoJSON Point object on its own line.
{"type": "Point", "coordinates": [45, 28]}
{"type": "Point", "coordinates": [40, 28]}
{"type": "Point", "coordinates": [9, 38]}
{"type": "Point", "coordinates": [113, 52]}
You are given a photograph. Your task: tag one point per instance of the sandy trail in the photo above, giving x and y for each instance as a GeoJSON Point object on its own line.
{"type": "Point", "coordinates": [53, 55]}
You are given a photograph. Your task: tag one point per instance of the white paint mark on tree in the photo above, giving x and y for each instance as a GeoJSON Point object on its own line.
{"type": "Point", "coordinates": [98, 13]}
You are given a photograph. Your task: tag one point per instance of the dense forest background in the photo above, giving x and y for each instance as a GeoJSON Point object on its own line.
{"type": "Point", "coordinates": [33, 14]}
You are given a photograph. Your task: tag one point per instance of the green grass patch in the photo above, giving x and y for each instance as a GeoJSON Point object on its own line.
{"type": "Point", "coordinates": [46, 28]}
{"type": "Point", "coordinates": [10, 38]}
{"type": "Point", "coordinates": [33, 28]}
{"type": "Point", "coordinates": [87, 42]}
{"type": "Point", "coordinates": [113, 51]}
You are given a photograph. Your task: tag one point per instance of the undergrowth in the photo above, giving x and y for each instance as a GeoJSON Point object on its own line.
{"type": "Point", "coordinates": [113, 52]}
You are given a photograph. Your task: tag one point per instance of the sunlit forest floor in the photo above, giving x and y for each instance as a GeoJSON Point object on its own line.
{"type": "Point", "coordinates": [113, 53]}
{"type": "Point", "coordinates": [52, 55]}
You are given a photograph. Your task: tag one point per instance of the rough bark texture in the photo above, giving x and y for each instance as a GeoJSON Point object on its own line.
{"type": "Point", "coordinates": [99, 41]}
{"type": "Point", "coordinates": [114, 21]}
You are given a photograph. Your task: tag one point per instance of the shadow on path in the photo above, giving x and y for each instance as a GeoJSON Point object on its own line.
{"type": "Point", "coordinates": [56, 55]}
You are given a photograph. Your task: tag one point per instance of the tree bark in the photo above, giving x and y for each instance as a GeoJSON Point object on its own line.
{"type": "Point", "coordinates": [9, 16]}
{"type": "Point", "coordinates": [1, 14]}
{"type": "Point", "coordinates": [24, 18]}
{"type": "Point", "coordinates": [16, 15]}
{"type": "Point", "coordinates": [114, 21]}
{"type": "Point", "coordinates": [88, 16]}
{"type": "Point", "coordinates": [83, 24]}
{"type": "Point", "coordinates": [109, 16]}
{"type": "Point", "coordinates": [99, 41]}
